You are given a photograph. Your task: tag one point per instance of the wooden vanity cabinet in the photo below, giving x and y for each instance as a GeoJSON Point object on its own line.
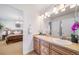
{"type": "Point", "coordinates": [44, 47]}
{"type": "Point", "coordinates": [36, 45]}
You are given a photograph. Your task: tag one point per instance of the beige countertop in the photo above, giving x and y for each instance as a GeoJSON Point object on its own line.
{"type": "Point", "coordinates": [73, 46]}
{"type": "Point", "coordinates": [58, 41]}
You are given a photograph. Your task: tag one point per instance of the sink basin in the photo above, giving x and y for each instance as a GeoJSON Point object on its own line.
{"type": "Point", "coordinates": [61, 42]}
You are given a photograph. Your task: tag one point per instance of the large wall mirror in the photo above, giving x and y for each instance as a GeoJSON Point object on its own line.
{"type": "Point", "coordinates": [62, 20]}
{"type": "Point", "coordinates": [62, 27]}
{"type": "Point", "coordinates": [62, 24]}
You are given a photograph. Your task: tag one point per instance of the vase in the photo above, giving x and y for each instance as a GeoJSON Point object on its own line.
{"type": "Point", "coordinates": [74, 39]}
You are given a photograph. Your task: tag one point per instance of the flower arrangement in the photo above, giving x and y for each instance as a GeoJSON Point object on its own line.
{"type": "Point", "coordinates": [75, 26]}
{"type": "Point", "coordinates": [74, 37]}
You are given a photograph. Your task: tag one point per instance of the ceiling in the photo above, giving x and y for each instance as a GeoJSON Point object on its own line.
{"type": "Point", "coordinates": [14, 11]}
{"type": "Point", "coordinates": [42, 8]}
{"type": "Point", "coordinates": [50, 14]}
{"type": "Point", "coordinates": [7, 13]}
{"type": "Point", "coordinates": [32, 7]}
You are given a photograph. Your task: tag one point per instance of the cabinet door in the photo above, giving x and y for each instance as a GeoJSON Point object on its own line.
{"type": "Point", "coordinates": [44, 48]}
{"type": "Point", "coordinates": [36, 45]}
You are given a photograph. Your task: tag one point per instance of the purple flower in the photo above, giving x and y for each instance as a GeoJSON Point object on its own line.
{"type": "Point", "coordinates": [75, 26]}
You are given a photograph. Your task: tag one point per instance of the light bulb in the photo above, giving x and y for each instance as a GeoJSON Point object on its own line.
{"type": "Point", "coordinates": [55, 10]}
{"type": "Point", "coordinates": [46, 14]}
{"type": "Point", "coordinates": [42, 16]}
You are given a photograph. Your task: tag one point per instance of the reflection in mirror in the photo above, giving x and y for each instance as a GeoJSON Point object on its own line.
{"type": "Point", "coordinates": [61, 23]}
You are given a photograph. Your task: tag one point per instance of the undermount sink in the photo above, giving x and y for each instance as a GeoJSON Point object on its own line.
{"type": "Point", "coordinates": [61, 42]}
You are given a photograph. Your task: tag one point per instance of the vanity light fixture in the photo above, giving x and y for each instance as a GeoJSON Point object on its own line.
{"type": "Point", "coordinates": [72, 6]}
{"type": "Point", "coordinates": [55, 10]}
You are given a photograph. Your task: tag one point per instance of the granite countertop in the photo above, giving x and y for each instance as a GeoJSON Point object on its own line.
{"type": "Point", "coordinates": [58, 41]}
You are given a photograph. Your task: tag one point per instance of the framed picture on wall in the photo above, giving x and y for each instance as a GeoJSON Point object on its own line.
{"type": "Point", "coordinates": [18, 25]}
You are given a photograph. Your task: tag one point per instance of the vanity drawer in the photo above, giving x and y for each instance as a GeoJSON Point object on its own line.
{"type": "Point", "coordinates": [44, 43]}
{"type": "Point", "coordinates": [61, 50]}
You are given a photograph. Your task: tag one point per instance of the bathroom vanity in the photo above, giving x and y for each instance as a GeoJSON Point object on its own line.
{"type": "Point", "coordinates": [46, 45]}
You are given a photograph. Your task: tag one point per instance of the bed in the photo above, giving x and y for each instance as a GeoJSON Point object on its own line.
{"type": "Point", "coordinates": [13, 38]}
